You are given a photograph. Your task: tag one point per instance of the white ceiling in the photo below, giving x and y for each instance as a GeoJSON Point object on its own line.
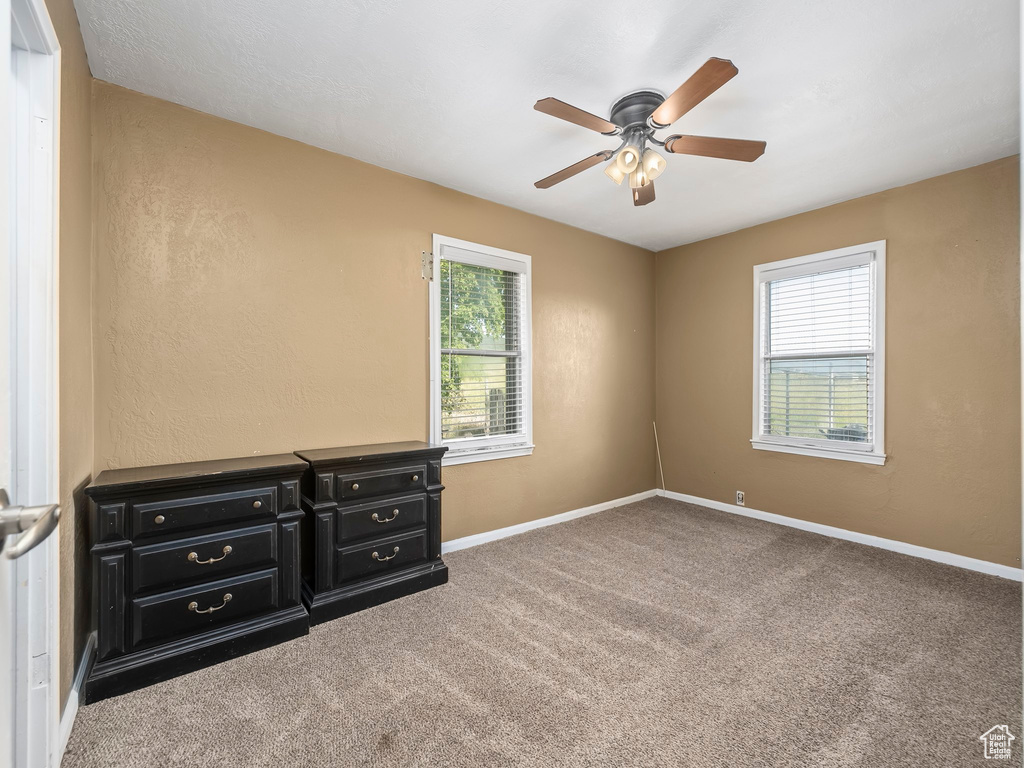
{"type": "Point", "coordinates": [852, 97]}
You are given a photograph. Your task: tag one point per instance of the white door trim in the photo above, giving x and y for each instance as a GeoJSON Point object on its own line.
{"type": "Point", "coordinates": [35, 469]}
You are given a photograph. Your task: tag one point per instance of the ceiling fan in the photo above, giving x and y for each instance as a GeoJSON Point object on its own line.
{"type": "Point", "coordinates": [635, 117]}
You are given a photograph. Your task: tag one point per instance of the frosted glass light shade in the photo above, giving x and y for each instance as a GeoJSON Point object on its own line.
{"type": "Point", "coordinates": [653, 164]}
{"type": "Point", "coordinates": [613, 172]}
{"type": "Point", "coordinates": [638, 178]}
{"type": "Point", "coordinates": [628, 159]}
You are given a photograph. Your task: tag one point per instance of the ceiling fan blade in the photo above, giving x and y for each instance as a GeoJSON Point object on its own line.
{"type": "Point", "coordinates": [572, 170]}
{"type": "Point", "coordinates": [564, 111]}
{"type": "Point", "coordinates": [644, 195]}
{"type": "Point", "coordinates": [709, 78]}
{"type": "Point", "coordinates": [707, 146]}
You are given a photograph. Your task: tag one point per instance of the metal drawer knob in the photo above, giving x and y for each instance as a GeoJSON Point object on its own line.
{"type": "Point", "coordinates": [194, 557]}
{"type": "Point", "coordinates": [194, 606]}
{"type": "Point", "coordinates": [378, 519]}
{"type": "Point", "coordinates": [377, 556]}
{"type": "Point", "coordinates": [159, 519]}
{"type": "Point", "coordinates": [415, 478]}
{"type": "Point", "coordinates": [355, 486]}
{"type": "Point", "coordinates": [257, 504]}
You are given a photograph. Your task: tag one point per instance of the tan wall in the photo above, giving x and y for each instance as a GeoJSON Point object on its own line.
{"type": "Point", "coordinates": [257, 295]}
{"type": "Point", "coordinates": [952, 479]}
{"type": "Point", "coordinates": [253, 294]}
{"type": "Point", "coordinates": [75, 337]}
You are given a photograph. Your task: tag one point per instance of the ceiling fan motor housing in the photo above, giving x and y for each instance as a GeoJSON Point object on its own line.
{"type": "Point", "coordinates": [634, 108]}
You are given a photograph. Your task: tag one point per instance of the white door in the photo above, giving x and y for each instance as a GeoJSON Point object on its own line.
{"type": "Point", "coordinates": [29, 89]}
{"type": "Point", "coordinates": [6, 574]}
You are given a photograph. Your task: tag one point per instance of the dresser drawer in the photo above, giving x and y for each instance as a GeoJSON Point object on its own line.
{"type": "Point", "coordinates": [187, 512]}
{"type": "Point", "coordinates": [195, 609]}
{"type": "Point", "coordinates": [380, 518]}
{"type": "Point", "coordinates": [403, 479]}
{"type": "Point", "coordinates": [212, 556]}
{"type": "Point", "coordinates": [381, 555]}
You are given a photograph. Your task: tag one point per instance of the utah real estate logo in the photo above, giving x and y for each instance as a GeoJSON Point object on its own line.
{"type": "Point", "coordinates": [997, 742]}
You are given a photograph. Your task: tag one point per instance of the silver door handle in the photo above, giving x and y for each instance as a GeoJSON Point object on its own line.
{"type": "Point", "coordinates": [33, 523]}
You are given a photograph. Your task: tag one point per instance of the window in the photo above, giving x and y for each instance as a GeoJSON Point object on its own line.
{"type": "Point", "coordinates": [819, 355]}
{"type": "Point", "coordinates": [480, 367]}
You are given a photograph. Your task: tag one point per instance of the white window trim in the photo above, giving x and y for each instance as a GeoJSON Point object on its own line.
{"type": "Point", "coordinates": [855, 255]}
{"type": "Point", "coordinates": [469, 450]}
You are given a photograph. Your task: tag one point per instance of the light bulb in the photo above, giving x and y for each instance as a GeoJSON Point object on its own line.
{"type": "Point", "coordinates": [638, 178]}
{"type": "Point", "coordinates": [653, 164]}
{"type": "Point", "coordinates": [613, 172]}
{"type": "Point", "coordinates": [628, 158]}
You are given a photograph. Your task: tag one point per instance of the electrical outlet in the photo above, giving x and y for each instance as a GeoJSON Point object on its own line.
{"type": "Point", "coordinates": [740, 498]}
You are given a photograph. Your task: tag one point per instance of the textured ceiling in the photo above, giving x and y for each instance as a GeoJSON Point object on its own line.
{"type": "Point", "coordinates": [852, 97]}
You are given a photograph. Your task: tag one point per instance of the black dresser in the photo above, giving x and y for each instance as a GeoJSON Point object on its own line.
{"type": "Point", "coordinates": [373, 525]}
{"type": "Point", "coordinates": [192, 564]}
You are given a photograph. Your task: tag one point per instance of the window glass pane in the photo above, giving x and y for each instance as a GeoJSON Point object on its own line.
{"type": "Point", "coordinates": [825, 313]}
{"type": "Point", "coordinates": [821, 398]}
{"type": "Point", "coordinates": [481, 363]}
{"type": "Point", "coordinates": [480, 396]}
{"type": "Point", "coordinates": [479, 307]}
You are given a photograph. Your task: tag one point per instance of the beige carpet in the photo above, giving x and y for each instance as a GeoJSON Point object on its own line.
{"type": "Point", "coordinates": [658, 634]}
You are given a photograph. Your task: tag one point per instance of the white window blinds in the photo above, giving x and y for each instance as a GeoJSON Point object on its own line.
{"type": "Point", "coordinates": [481, 351]}
{"type": "Point", "coordinates": [817, 374]}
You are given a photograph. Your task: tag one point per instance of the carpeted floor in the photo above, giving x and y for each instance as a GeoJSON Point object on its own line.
{"type": "Point", "coordinates": [657, 634]}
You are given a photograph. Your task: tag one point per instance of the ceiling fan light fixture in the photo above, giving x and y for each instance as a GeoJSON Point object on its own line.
{"type": "Point", "coordinates": [653, 164]}
{"type": "Point", "coordinates": [636, 117]}
{"type": "Point", "coordinates": [613, 172]}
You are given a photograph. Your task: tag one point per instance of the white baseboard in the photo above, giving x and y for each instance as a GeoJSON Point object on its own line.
{"type": "Point", "coordinates": [512, 530]}
{"type": "Point", "coordinates": [67, 719]}
{"type": "Point", "coordinates": [960, 561]}
{"type": "Point", "coordinates": [949, 558]}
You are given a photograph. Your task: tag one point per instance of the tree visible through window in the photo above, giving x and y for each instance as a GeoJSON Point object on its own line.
{"type": "Point", "coordinates": [481, 351]}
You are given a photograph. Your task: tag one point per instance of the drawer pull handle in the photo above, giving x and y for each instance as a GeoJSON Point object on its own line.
{"type": "Point", "coordinates": [376, 556]}
{"type": "Point", "coordinates": [194, 606]}
{"type": "Point", "coordinates": [194, 557]}
{"type": "Point", "coordinates": [377, 519]}
{"type": "Point", "coordinates": [257, 504]}
{"type": "Point", "coordinates": [355, 486]}
{"type": "Point", "coordinates": [159, 519]}
{"type": "Point", "coordinates": [415, 478]}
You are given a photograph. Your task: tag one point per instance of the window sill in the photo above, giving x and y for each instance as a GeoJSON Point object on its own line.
{"type": "Point", "coordinates": [864, 457]}
{"type": "Point", "coordinates": [468, 456]}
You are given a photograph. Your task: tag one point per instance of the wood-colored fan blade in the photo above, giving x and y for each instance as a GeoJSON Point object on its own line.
{"type": "Point", "coordinates": [564, 111]}
{"type": "Point", "coordinates": [572, 170]}
{"type": "Point", "coordinates": [707, 146]}
{"type": "Point", "coordinates": [644, 195]}
{"type": "Point", "coordinates": [709, 78]}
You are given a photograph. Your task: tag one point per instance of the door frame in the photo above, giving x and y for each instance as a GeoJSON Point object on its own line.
{"type": "Point", "coordinates": [31, 165]}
